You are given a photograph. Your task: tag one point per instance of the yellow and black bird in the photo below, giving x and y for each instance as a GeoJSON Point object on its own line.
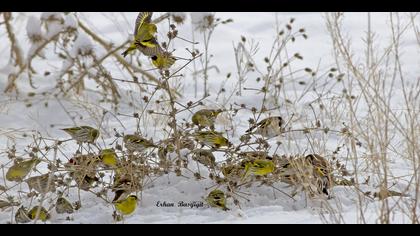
{"type": "Point", "coordinates": [83, 134]}
{"type": "Point", "coordinates": [109, 157]}
{"type": "Point", "coordinates": [258, 167]}
{"type": "Point", "coordinates": [43, 183]}
{"type": "Point", "coordinates": [204, 157]}
{"type": "Point", "coordinates": [217, 198]}
{"type": "Point", "coordinates": [144, 36]}
{"type": "Point", "coordinates": [322, 172]}
{"type": "Point", "coordinates": [22, 216]}
{"type": "Point", "coordinates": [127, 206]}
{"type": "Point", "coordinates": [162, 60]}
{"type": "Point", "coordinates": [21, 169]}
{"type": "Point", "coordinates": [63, 206]}
{"type": "Point", "coordinates": [269, 127]}
{"type": "Point", "coordinates": [205, 117]}
{"type": "Point", "coordinates": [134, 142]}
{"type": "Point", "coordinates": [255, 155]}
{"type": "Point", "coordinates": [39, 213]}
{"type": "Point", "coordinates": [83, 170]}
{"type": "Point", "coordinates": [312, 172]}
{"type": "Point", "coordinates": [211, 138]}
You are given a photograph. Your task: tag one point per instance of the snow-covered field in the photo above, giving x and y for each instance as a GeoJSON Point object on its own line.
{"type": "Point", "coordinates": [24, 116]}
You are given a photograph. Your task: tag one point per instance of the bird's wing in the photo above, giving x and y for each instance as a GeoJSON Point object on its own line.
{"type": "Point", "coordinates": [138, 140]}
{"type": "Point", "coordinates": [259, 164]}
{"type": "Point", "coordinates": [262, 124]}
{"type": "Point", "coordinates": [143, 17]}
{"type": "Point", "coordinates": [150, 51]}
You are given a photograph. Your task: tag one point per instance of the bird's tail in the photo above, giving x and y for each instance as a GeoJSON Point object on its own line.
{"type": "Point", "coordinates": [129, 50]}
{"type": "Point", "coordinates": [124, 54]}
{"type": "Point", "coordinates": [250, 129]}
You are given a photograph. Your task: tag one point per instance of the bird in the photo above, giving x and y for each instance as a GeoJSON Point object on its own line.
{"type": "Point", "coordinates": [211, 138]}
{"type": "Point", "coordinates": [134, 142]}
{"type": "Point", "coordinates": [43, 183]}
{"type": "Point", "coordinates": [21, 169]}
{"type": "Point", "coordinates": [84, 182]}
{"type": "Point", "coordinates": [123, 185]}
{"type": "Point", "coordinates": [254, 155]}
{"type": "Point", "coordinates": [63, 206]}
{"type": "Point", "coordinates": [39, 213]}
{"type": "Point", "coordinates": [164, 149]}
{"type": "Point", "coordinates": [22, 216]}
{"type": "Point", "coordinates": [144, 36]}
{"type": "Point", "coordinates": [217, 198]}
{"type": "Point", "coordinates": [5, 204]}
{"type": "Point", "coordinates": [269, 127]}
{"type": "Point", "coordinates": [204, 157]}
{"type": "Point", "coordinates": [232, 172]}
{"type": "Point", "coordinates": [258, 167]}
{"type": "Point", "coordinates": [83, 134]}
{"type": "Point", "coordinates": [205, 117]}
{"type": "Point", "coordinates": [322, 172]}
{"type": "Point", "coordinates": [126, 206]}
{"type": "Point", "coordinates": [83, 170]}
{"type": "Point", "coordinates": [109, 157]}
{"type": "Point", "coordinates": [161, 59]}
{"type": "Point", "coordinates": [312, 172]}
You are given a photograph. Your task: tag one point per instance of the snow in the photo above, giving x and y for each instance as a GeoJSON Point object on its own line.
{"type": "Point", "coordinates": [51, 16]}
{"type": "Point", "coordinates": [70, 22]}
{"type": "Point", "coordinates": [266, 205]}
{"type": "Point", "coordinates": [53, 23]}
{"type": "Point", "coordinates": [83, 45]}
{"type": "Point", "coordinates": [33, 28]}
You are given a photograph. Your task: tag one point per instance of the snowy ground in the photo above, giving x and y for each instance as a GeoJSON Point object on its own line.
{"type": "Point", "coordinates": [266, 206]}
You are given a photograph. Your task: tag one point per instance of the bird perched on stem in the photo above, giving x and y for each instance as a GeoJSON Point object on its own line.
{"type": "Point", "coordinates": [322, 171]}
{"type": "Point", "coordinates": [83, 134]}
{"type": "Point", "coordinates": [83, 170]}
{"type": "Point", "coordinates": [134, 142]}
{"type": "Point", "coordinates": [205, 117]}
{"type": "Point", "coordinates": [217, 198]}
{"type": "Point", "coordinates": [204, 157]}
{"type": "Point", "coordinates": [22, 216]}
{"type": "Point", "coordinates": [144, 36]}
{"type": "Point", "coordinates": [312, 172]}
{"type": "Point", "coordinates": [211, 138]}
{"type": "Point", "coordinates": [39, 213]}
{"type": "Point", "coordinates": [258, 167]}
{"type": "Point", "coordinates": [21, 169]}
{"type": "Point", "coordinates": [109, 157]}
{"type": "Point", "coordinates": [255, 155]}
{"type": "Point", "coordinates": [126, 206]}
{"type": "Point", "coordinates": [163, 60]}
{"type": "Point", "coordinates": [43, 183]}
{"type": "Point", "coordinates": [62, 206]}
{"type": "Point", "coordinates": [269, 127]}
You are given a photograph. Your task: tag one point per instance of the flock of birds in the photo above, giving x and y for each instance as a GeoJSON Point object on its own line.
{"type": "Point", "coordinates": [256, 163]}
{"type": "Point", "coordinates": [204, 118]}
